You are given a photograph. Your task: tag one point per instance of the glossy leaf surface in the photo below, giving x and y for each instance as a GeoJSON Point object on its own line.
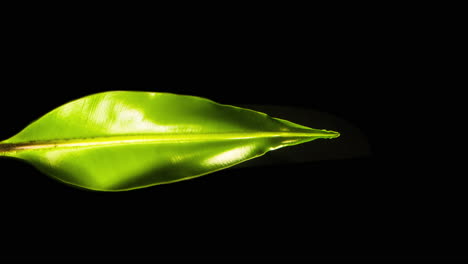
{"type": "Point", "coordinates": [123, 140]}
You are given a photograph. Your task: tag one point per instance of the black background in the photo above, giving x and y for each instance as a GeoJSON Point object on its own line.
{"type": "Point", "coordinates": [355, 64]}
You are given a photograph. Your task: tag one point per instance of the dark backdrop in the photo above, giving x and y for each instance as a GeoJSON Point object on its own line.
{"type": "Point", "coordinates": [353, 66]}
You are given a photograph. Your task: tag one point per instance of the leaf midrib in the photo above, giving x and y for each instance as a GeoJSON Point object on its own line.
{"type": "Point", "coordinates": [155, 138]}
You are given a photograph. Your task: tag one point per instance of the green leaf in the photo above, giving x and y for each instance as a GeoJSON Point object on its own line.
{"type": "Point", "coordinates": [122, 140]}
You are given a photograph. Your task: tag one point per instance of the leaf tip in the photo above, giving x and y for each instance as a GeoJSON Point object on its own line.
{"type": "Point", "coordinates": [330, 134]}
